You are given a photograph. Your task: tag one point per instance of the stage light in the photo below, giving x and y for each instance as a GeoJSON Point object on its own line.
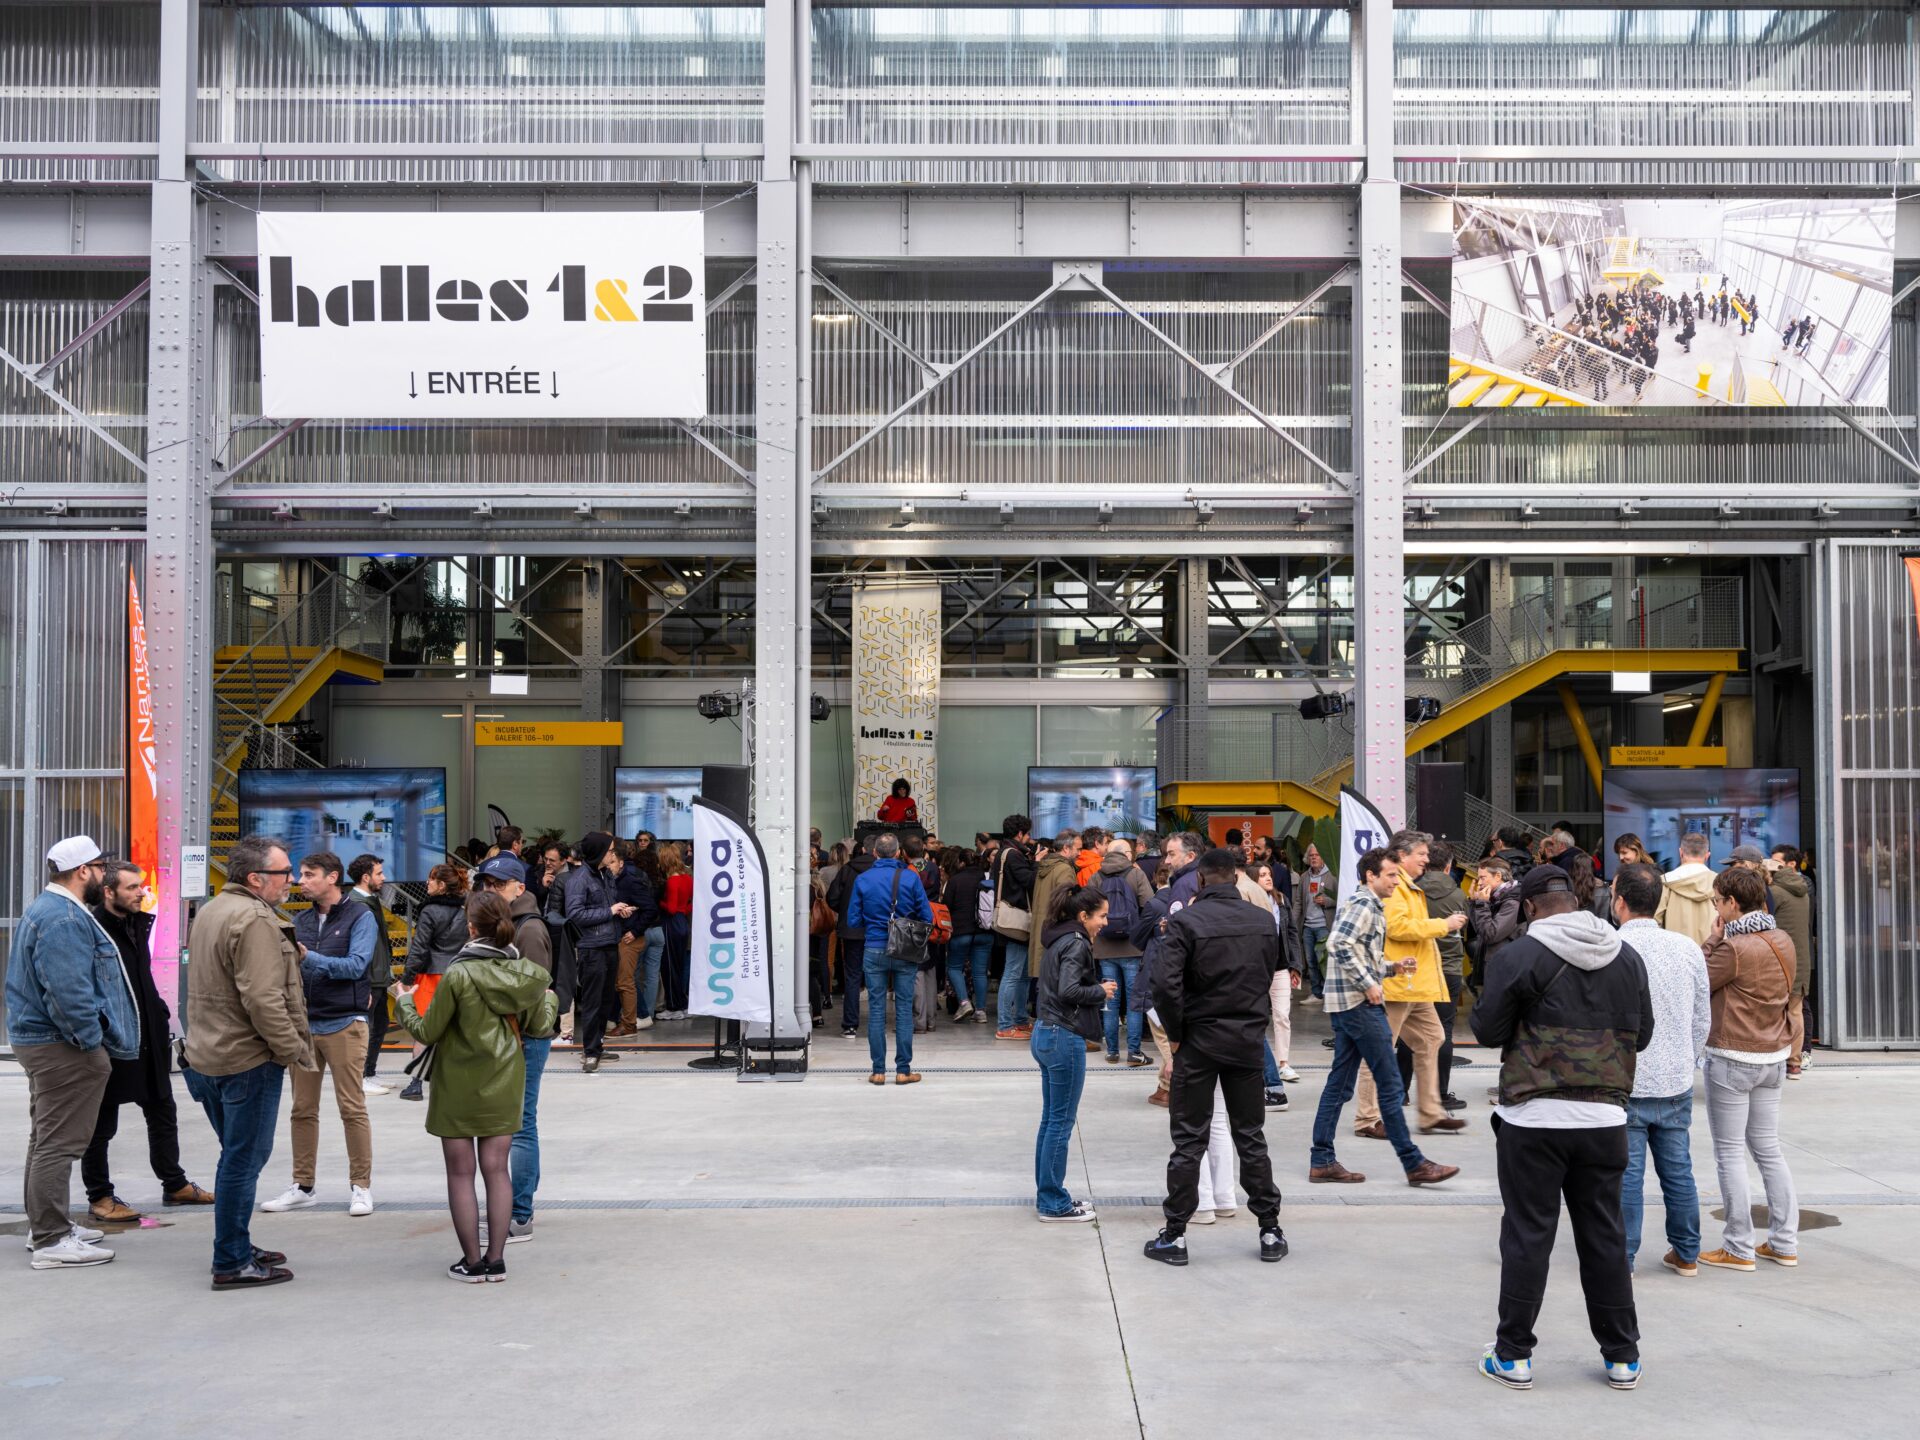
{"type": "Point", "coordinates": [819, 710]}
{"type": "Point", "coordinates": [1422, 708]}
{"type": "Point", "coordinates": [718, 705]}
{"type": "Point", "coordinates": [1323, 707]}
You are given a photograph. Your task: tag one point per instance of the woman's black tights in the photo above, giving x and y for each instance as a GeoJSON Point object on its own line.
{"type": "Point", "coordinates": [493, 1151]}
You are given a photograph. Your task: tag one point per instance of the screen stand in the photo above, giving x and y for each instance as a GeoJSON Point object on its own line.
{"type": "Point", "coordinates": [726, 1048]}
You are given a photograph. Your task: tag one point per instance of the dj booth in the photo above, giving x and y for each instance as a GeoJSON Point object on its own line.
{"type": "Point", "coordinates": [867, 831]}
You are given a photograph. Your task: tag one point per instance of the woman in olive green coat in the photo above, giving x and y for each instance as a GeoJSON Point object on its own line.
{"type": "Point", "coordinates": [488, 999]}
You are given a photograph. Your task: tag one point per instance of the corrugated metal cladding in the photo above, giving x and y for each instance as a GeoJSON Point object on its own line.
{"type": "Point", "coordinates": [39, 313]}
{"type": "Point", "coordinates": [1872, 815]}
{"type": "Point", "coordinates": [63, 631]}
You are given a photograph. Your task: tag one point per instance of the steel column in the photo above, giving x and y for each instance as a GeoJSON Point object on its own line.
{"type": "Point", "coordinates": [1194, 673]}
{"type": "Point", "coordinates": [180, 555]}
{"type": "Point", "coordinates": [1500, 723]}
{"type": "Point", "coordinates": [782, 542]}
{"type": "Point", "coordinates": [599, 689]}
{"type": "Point", "coordinates": [1379, 540]}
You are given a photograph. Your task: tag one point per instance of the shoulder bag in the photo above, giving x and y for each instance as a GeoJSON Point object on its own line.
{"type": "Point", "coordinates": [906, 936]}
{"type": "Point", "coordinates": [1008, 920]}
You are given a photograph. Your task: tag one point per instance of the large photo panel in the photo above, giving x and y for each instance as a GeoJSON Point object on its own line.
{"type": "Point", "coordinates": [1692, 302]}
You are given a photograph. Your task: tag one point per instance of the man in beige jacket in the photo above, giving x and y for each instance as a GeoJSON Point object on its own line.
{"type": "Point", "coordinates": [1686, 906]}
{"type": "Point", "coordinates": [246, 1026]}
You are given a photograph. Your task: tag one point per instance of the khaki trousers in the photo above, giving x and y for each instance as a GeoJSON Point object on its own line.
{"type": "Point", "coordinates": [632, 947]}
{"type": "Point", "coordinates": [1280, 1028]}
{"type": "Point", "coordinates": [1166, 1051]}
{"type": "Point", "coordinates": [345, 1053]}
{"type": "Point", "coordinates": [1416, 1023]}
{"type": "Point", "coordinates": [64, 1086]}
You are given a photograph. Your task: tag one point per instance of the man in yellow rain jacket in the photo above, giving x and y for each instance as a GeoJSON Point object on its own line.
{"type": "Point", "coordinates": [1413, 945]}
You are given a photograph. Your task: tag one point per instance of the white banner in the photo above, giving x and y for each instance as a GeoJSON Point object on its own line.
{"type": "Point", "coordinates": [553, 316]}
{"type": "Point", "coordinates": [1362, 828]}
{"type": "Point", "coordinates": [896, 695]}
{"type": "Point", "coordinates": [732, 972]}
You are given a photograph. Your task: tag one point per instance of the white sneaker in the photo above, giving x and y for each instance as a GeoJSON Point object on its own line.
{"type": "Point", "coordinates": [294, 1199]}
{"type": "Point", "coordinates": [1289, 1075]}
{"type": "Point", "coordinates": [70, 1250]}
{"type": "Point", "coordinates": [645, 1022]}
{"type": "Point", "coordinates": [371, 1086]}
{"type": "Point", "coordinates": [1200, 1217]}
{"type": "Point", "coordinates": [362, 1201]}
{"type": "Point", "coordinates": [91, 1237]}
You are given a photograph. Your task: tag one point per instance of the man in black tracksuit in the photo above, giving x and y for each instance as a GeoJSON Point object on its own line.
{"type": "Point", "coordinates": [1211, 986]}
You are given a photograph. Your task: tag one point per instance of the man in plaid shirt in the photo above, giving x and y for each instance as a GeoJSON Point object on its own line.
{"type": "Point", "coordinates": [1356, 967]}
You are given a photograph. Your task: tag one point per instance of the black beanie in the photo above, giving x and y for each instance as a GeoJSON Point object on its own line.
{"type": "Point", "coordinates": [594, 846]}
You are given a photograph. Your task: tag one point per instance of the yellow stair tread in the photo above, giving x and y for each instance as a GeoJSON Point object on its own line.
{"type": "Point", "coordinates": [1532, 400]}
{"type": "Point", "coordinates": [1456, 372]}
{"type": "Point", "coordinates": [1469, 390]}
{"type": "Point", "coordinates": [1504, 395]}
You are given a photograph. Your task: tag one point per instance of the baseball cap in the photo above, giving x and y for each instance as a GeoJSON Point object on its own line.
{"type": "Point", "coordinates": [502, 867]}
{"type": "Point", "coordinates": [1544, 880]}
{"type": "Point", "coordinates": [72, 852]}
{"type": "Point", "coordinates": [1749, 853]}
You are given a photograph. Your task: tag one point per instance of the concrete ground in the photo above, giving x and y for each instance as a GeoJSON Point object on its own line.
{"type": "Point", "coordinates": [829, 1258]}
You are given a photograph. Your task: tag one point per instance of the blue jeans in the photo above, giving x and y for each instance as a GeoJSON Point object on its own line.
{"type": "Point", "coordinates": [1270, 1068]}
{"type": "Point", "coordinates": [1360, 1035]}
{"type": "Point", "coordinates": [967, 957]}
{"type": "Point", "coordinates": [1062, 1057]}
{"type": "Point", "coordinates": [650, 959]}
{"type": "Point", "coordinates": [1013, 986]}
{"type": "Point", "coordinates": [1316, 948]}
{"type": "Point", "coordinates": [852, 969]}
{"type": "Point", "coordinates": [524, 1158]}
{"type": "Point", "coordinates": [880, 969]}
{"type": "Point", "coordinates": [1661, 1124]}
{"type": "Point", "coordinates": [244, 1110]}
{"type": "Point", "coordinates": [1124, 971]}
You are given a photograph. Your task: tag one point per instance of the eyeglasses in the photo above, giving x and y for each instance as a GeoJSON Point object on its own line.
{"type": "Point", "coordinates": [288, 872]}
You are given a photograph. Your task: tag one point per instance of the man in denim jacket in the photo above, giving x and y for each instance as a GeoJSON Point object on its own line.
{"type": "Point", "coordinates": [69, 1011]}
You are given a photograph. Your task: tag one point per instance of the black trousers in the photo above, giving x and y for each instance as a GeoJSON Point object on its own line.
{"type": "Point", "coordinates": [1445, 1013]}
{"type": "Point", "coordinates": [1538, 1167]}
{"type": "Point", "coordinates": [1190, 1097]}
{"type": "Point", "coordinates": [593, 994]}
{"type": "Point", "coordinates": [163, 1146]}
{"type": "Point", "coordinates": [376, 1028]}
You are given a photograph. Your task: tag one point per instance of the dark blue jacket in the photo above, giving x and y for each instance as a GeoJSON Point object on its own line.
{"type": "Point", "coordinates": [873, 903]}
{"type": "Point", "coordinates": [633, 888]}
{"type": "Point", "coordinates": [340, 948]}
{"type": "Point", "coordinates": [583, 900]}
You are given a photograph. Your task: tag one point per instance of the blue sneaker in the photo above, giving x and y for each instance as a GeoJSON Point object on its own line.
{"type": "Point", "coordinates": [1514, 1374]}
{"type": "Point", "coordinates": [1167, 1249]}
{"type": "Point", "coordinates": [1623, 1374]}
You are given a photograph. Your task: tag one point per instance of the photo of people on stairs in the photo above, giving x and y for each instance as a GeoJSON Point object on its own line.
{"type": "Point", "coordinates": [1786, 301]}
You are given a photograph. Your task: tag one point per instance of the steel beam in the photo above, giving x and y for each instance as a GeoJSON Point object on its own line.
{"type": "Point", "coordinates": [1379, 540]}
{"type": "Point", "coordinates": [180, 553]}
{"type": "Point", "coordinates": [80, 342]}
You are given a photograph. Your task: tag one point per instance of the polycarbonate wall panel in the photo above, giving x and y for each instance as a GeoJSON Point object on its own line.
{"type": "Point", "coordinates": [1871, 820]}
{"type": "Point", "coordinates": [82, 640]}
{"type": "Point", "coordinates": [457, 453]}
{"type": "Point", "coordinates": [1547, 78]}
{"type": "Point", "coordinates": [39, 313]}
{"type": "Point", "coordinates": [1082, 76]}
{"type": "Point", "coordinates": [1077, 392]}
{"type": "Point", "coordinates": [13, 660]}
{"type": "Point", "coordinates": [75, 74]}
{"type": "Point", "coordinates": [401, 75]}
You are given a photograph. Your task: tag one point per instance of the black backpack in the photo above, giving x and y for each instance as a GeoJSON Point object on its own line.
{"type": "Point", "coordinates": [1123, 906]}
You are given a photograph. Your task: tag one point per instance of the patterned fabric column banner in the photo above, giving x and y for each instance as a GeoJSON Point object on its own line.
{"type": "Point", "coordinates": [896, 695]}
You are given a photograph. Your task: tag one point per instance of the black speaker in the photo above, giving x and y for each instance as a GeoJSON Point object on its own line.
{"type": "Point", "coordinates": [1440, 800]}
{"type": "Point", "coordinates": [728, 785]}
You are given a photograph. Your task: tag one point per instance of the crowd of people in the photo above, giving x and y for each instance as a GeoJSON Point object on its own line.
{"type": "Point", "coordinates": [1604, 998]}
{"type": "Point", "coordinates": [1619, 334]}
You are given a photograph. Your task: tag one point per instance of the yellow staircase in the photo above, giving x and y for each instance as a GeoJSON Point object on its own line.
{"type": "Point", "coordinates": [1473, 384]}
{"type": "Point", "coordinates": [268, 684]}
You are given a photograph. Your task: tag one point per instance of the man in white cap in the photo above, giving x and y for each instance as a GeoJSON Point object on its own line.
{"type": "Point", "coordinates": [70, 1012]}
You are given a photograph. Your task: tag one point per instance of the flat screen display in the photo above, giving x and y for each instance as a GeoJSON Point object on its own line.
{"type": "Point", "coordinates": [1730, 807]}
{"type": "Point", "coordinates": [1686, 301]}
{"type": "Point", "coordinates": [658, 798]}
{"type": "Point", "coordinates": [1120, 798]}
{"type": "Point", "coordinates": [398, 814]}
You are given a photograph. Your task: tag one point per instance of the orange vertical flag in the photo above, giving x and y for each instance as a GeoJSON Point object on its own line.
{"type": "Point", "coordinates": [143, 789]}
{"type": "Point", "coordinates": [1913, 579]}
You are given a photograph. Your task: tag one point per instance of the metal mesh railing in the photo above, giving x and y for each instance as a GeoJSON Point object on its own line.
{"type": "Point", "coordinates": [1254, 742]}
{"type": "Point", "coordinates": [1535, 351]}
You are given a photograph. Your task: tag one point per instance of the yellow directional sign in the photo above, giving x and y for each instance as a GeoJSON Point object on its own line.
{"type": "Point", "coordinates": [546, 732]}
{"type": "Point", "coordinates": [1624, 755]}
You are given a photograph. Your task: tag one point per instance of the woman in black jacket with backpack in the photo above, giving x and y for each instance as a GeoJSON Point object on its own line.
{"type": "Point", "coordinates": [1067, 1016]}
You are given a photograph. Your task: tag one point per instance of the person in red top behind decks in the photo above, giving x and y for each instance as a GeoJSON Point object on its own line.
{"type": "Point", "coordinates": [899, 807]}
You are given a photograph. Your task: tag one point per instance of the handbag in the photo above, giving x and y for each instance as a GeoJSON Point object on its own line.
{"type": "Point", "coordinates": [421, 1066]}
{"type": "Point", "coordinates": [1009, 920]}
{"type": "Point", "coordinates": [820, 917]}
{"type": "Point", "coordinates": [906, 936]}
{"type": "Point", "coordinates": [942, 930]}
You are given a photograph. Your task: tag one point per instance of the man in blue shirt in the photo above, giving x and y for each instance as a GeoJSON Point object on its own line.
{"type": "Point", "coordinates": [888, 889]}
{"type": "Point", "coordinates": [337, 938]}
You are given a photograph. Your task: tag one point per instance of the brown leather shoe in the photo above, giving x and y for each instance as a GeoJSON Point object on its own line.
{"type": "Point", "coordinates": [112, 1210]}
{"type": "Point", "coordinates": [624, 1029]}
{"type": "Point", "coordinates": [1158, 1097]}
{"type": "Point", "coordinates": [1334, 1174]}
{"type": "Point", "coordinates": [189, 1194]}
{"type": "Point", "coordinates": [1375, 1131]}
{"type": "Point", "coordinates": [907, 1079]}
{"type": "Point", "coordinates": [1443, 1127]}
{"type": "Point", "coordinates": [1428, 1173]}
{"type": "Point", "coordinates": [877, 1078]}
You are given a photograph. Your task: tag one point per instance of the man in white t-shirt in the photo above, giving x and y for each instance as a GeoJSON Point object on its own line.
{"type": "Point", "coordinates": [1570, 1010]}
